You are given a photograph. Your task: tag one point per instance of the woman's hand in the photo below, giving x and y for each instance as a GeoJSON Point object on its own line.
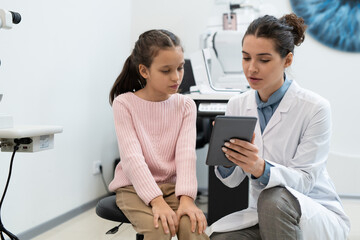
{"type": "Point", "coordinates": [197, 217]}
{"type": "Point", "coordinates": [162, 211]}
{"type": "Point", "coordinates": [245, 155]}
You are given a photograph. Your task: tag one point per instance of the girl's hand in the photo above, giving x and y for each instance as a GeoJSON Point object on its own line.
{"type": "Point", "coordinates": [197, 217]}
{"type": "Point", "coordinates": [245, 155]}
{"type": "Point", "coordinates": [162, 211]}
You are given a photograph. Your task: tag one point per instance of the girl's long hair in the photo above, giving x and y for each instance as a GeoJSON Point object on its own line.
{"type": "Point", "coordinates": [146, 48]}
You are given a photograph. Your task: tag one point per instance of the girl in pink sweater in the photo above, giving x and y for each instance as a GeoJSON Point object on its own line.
{"type": "Point", "coordinates": [155, 181]}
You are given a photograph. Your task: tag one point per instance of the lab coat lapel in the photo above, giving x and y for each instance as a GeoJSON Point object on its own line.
{"type": "Point", "coordinates": [252, 111]}
{"type": "Point", "coordinates": [283, 107]}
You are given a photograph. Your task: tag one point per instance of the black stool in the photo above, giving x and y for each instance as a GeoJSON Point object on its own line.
{"type": "Point", "coordinates": [106, 208]}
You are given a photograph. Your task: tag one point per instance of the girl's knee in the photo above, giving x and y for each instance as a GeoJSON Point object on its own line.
{"type": "Point", "coordinates": [185, 221]}
{"type": "Point", "coordinates": [156, 233]}
{"type": "Point", "coordinates": [146, 227]}
{"type": "Point", "coordinates": [185, 230]}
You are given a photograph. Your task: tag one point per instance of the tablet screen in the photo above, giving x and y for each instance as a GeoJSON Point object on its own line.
{"type": "Point", "coordinates": [226, 128]}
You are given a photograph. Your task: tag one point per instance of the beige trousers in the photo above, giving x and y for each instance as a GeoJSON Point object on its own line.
{"type": "Point", "coordinates": [141, 215]}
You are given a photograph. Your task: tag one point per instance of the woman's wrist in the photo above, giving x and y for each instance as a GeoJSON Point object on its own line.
{"type": "Point", "coordinates": [260, 169]}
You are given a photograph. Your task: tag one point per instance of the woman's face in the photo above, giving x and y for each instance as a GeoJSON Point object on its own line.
{"type": "Point", "coordinates": [165, 74]}
{"type": "Point", "coordinates": [263, 65]}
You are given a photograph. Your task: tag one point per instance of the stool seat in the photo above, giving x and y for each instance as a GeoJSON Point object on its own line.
{"type": "Point", "coordinates": [107, 208]}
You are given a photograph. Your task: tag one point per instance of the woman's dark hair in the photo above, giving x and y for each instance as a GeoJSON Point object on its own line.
{"type": "Point", "coordinates": [286, 32]}
{"type": "Point", "coordinates": [146, 48]}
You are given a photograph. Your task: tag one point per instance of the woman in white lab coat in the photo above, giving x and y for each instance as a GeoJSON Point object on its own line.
{"type": "Point", "coordinates": [291, 195]}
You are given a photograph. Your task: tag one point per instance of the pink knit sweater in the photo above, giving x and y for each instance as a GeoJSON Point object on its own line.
{"type": "Point", "coordinates": [156, 144]}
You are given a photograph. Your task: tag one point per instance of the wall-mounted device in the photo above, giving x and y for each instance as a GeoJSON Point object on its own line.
{"type": "Point", "coordinates": [24, 139]}
{"type": "Point", "coordinates": [8, 18]}
{"type": "Point", "coordinates": [42, 138]}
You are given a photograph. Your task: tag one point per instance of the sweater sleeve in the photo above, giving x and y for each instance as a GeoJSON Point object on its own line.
{"type": "Point", "coordinates": [185, 155]}
{"type": "Point", "coordinates": [132, 159]}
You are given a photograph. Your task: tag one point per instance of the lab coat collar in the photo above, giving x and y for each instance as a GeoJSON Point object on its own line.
{"type": "Point", "coordinates": [283, 107]}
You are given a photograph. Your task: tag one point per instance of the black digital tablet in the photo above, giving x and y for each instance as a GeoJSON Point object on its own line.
{"type": "Point", "coordinates": [226, 128]}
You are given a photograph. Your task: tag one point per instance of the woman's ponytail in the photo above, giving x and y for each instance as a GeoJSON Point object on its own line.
{"type": "Point", "coordinates": [286, 32]}
{"type": "Point", "coordinates": [298, 25]}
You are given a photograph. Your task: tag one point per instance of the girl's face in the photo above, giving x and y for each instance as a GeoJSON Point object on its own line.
{"type": "Point", "coordinates": [165, 74]}
{"type": "Point", "coordinates": [263, 65]}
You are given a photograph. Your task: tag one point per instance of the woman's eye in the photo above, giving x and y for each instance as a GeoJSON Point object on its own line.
{"type": "Point", "coordinates": [265, 60]}
{"type": "Point", "coordinates": [165, 71]}
{"type": "Point", "coordinates": [246, 58]}
{"type": "Point", "coordinates": [180, 68]}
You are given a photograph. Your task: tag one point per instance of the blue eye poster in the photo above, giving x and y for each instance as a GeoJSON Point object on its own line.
{"type": "Point", "coordinates": [334, 23]}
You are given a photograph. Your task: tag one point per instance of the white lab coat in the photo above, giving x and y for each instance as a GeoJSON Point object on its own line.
{"type": "Point", "coordinates": [296, 141]}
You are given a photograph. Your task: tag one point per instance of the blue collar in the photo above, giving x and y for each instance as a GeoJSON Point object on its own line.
{"type": "Point", "coordinates": [275, 97]}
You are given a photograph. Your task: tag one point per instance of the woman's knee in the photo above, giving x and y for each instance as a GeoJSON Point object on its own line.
{"type": "Point", "coordinates": [277, 201]}
{"type": "Point", "coordinates": [220, 236]}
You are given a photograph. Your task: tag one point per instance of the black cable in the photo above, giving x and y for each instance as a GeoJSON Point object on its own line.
{"type": "Point", "coordinates": [114, 229]}
{"type": "Point", "coordinates": [2, 228]}
{"type": "Point", "coordinates": [16, 147]}
{"type": "Point", "coordinates": [103, 179]}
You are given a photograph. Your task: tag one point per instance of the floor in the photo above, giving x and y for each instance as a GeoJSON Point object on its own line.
{"type": "Point", "coordinates": [89, 226]}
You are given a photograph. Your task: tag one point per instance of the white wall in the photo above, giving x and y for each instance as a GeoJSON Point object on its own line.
{"type": "Point", "coordinates": [331, 73]}
{"type": "Point", "coordinates": [187, 19]}
{"type": "Point", "coordinates": [58, 66]}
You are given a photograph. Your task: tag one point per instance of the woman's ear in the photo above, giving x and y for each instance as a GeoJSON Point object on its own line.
{"type": "Point", "coordinates": [288, 60]}
{"type": "Point", "coordinates": [143, 70]}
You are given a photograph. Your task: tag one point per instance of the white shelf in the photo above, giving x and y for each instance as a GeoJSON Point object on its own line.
{"type": "Point", "coordinates": [213, 96]}
{"type": "Point", "coordinates": [29, 131]}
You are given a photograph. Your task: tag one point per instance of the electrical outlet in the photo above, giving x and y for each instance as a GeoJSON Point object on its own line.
{"type": "Point", "coordinates": [96, 167]}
